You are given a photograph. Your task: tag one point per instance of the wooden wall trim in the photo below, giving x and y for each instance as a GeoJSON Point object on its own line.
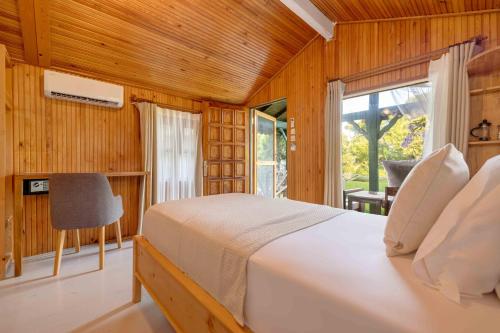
{"type": "Point", "coordinates": [384, 86]}
{"type": "Point", "coordinates": [424, 58]}
{"type": "Point", "coordinates": [421, 17]}
{"type": "Point", "coordinates": [134, 100]}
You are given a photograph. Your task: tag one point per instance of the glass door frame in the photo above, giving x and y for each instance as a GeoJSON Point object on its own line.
{"type": "Point", "coordinates": [255, 162]}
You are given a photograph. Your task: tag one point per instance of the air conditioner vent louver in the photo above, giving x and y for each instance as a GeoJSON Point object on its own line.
{"type": "Point", "coordinates": [82, 99]}
{"type": "Point", "coordinates": [82, 90]}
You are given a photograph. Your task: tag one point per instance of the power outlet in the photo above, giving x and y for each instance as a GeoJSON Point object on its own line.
{"type": "Point", "coordinates": [36, 186]}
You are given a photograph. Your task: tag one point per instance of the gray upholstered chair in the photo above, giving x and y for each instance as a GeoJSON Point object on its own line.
{"type": "Point", "coordinates": [79, 201]}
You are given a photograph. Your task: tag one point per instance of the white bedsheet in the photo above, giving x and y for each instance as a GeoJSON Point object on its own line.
{"type": "Point", "coordinates": [335, 277]}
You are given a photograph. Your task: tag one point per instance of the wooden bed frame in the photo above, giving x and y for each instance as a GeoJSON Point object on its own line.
{"type": "Point", "coordinates": [188, 307]}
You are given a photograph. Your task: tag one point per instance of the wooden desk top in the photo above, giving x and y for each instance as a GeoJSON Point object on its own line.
{"type": "Point", "coordinates": [26, 175]}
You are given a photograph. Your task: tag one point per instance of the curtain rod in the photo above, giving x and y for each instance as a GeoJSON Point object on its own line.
{"type": "Point", "coordinates": [135, 100]}
{"type": "Point", "coordinates": [404, 63]}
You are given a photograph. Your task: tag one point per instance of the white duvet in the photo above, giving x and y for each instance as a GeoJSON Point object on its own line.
{"type": "Point", "coordinates": [335, 277]}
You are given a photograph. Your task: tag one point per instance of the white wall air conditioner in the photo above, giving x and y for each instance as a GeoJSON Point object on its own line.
{"type": "Point", "coordinates": [79, 89]}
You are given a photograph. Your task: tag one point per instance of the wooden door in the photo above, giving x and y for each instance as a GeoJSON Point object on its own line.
{"type": "Point", "coordinates": [264, 136]}
{"type": "Point", "coordinates": [225, 149]}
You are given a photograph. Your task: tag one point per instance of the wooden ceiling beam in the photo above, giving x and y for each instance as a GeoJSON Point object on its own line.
{"type": "Point", "coordinates": [28, 28]}
{"type": "Point", "coordinates": [41, 9]}
{"type": "Point", "coordinates": [34, 19]}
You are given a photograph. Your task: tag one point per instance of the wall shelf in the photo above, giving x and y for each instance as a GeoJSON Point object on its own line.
{"type": "Point", "coordinates": [484, 143]}
{"type": "Point", "coordinates": [485, 62]}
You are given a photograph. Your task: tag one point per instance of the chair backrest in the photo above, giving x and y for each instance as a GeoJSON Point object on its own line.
{"type": "Point", "coordinates": [398, 170]}
{"type": "Point", "coordinates": [81, 200]}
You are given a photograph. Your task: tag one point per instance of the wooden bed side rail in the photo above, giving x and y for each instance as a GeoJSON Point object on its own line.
{"type": "Point", "coordinates": [188, 307]}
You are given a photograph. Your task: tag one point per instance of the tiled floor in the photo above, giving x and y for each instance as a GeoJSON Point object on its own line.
{"type": "Point", "coordinates": [80, 299]}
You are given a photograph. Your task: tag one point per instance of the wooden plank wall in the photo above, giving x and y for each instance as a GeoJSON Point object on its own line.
{"type": "Point", "coordinates": [61, 136]}
{"type": "Point", "coordinates": [357, 47]}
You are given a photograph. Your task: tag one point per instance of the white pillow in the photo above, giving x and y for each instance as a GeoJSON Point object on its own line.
{"type": "Point", "coordinates": [426, 191]}
{"type": "Point", "coordinates": [461, 253]}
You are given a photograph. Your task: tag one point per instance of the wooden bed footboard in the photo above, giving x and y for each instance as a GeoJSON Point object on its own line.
{"type": "Point", "coordinates": [188, 307]}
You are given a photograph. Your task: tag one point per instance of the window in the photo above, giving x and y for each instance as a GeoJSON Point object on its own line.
{"type": "Point", "coordinates": [384, 125]}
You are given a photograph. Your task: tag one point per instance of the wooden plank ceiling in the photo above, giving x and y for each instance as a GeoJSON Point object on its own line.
{"type": "Point", "coordinates": [219, 50]}
{"type": "Point", "coordinates": [360, 10]}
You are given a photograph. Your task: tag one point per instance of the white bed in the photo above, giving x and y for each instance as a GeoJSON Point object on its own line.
{"type": "Point", "coordinates": [335, 276]}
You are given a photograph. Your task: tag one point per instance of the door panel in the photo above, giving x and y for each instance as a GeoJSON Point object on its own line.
{"type": "Point", "coordinates": [225, 149]}
{"type": "Point", "coordinates": [265, 155]}
{"type": "Point", "coordinates": [239, 185]}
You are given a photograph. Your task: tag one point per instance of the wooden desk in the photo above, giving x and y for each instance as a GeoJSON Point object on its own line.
{"type": "Point", "coordinates": [375, 199]}
{"type": "Point", "coordinates": [19, 231]}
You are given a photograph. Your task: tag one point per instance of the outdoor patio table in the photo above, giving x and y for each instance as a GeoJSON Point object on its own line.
{"type": "Point", "coordinates": [375, 199]}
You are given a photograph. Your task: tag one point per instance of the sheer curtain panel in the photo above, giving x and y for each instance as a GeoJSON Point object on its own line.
{"type": "Point", "coordinates": [178, 152]}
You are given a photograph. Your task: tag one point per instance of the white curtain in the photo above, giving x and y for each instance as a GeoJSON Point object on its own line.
{"type": "Point", "coordinates": [333, 144]}
{"type": "Point", "coordinates": [177, 155]}
{"type": "Point", "coordinates": [459, 97]}
{"type": "Point", "coordinates": [449, 103]}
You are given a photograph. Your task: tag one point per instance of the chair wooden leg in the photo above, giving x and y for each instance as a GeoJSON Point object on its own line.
{"type": "Point", "coordinates": [77, 240]}
{"type": "Point", "coordinates": [118, 234]}
{"type": "Point", "coordinates": [61, 234]}
{"type": "Point", "coordinates": [101, 247]}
